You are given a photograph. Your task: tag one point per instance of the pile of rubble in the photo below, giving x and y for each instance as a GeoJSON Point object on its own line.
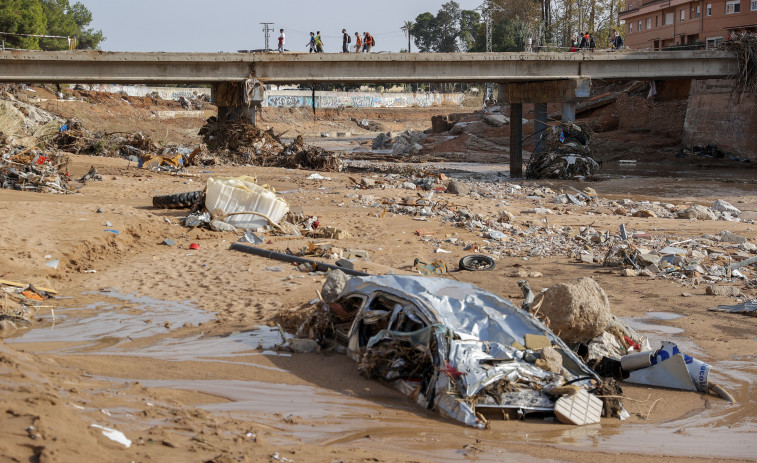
{"type": "Point", "coordinates": [704, 260]}
{"type": "Point", "coordinates": [564, 154]}
{"type": "Point", "coordinates": [243, 142]}
{"type": "Point", "coordinates": [32, 169]}
{"type": "Point", "coordinates": [19, 305]}
{"type": "Point", "coordinates": [407, 143]}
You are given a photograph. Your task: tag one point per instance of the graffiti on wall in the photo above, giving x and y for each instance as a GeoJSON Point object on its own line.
{"type": "Point", "coordinates": [165, 93]}
{"type": "Point", "coordinates": [360, 100]}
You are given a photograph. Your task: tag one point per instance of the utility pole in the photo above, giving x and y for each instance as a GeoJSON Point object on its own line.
{"type": "Point", "coordinates": [267, 29]}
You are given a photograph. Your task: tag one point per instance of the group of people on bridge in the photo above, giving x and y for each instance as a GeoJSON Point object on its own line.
{"type": "Point", "coordinates": [586, 41]}
{"type": "Point", "coordinates": [363, 43]}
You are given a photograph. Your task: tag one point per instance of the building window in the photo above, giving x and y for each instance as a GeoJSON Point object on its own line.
{"type": "Point", "coordinates": [732, 7]}
{"type": "Point", "coordinates": [753, 7]}
{"type": "Point", "coordinates": [699, 11]}
{"type": "Point", "coordinates": [709, 9]}
{"type": "Point", "coordinates": [714, 42]}
{"type": "Point", "coordinates": [639, 27]}
{"type": "Point", "coordinates": [683, 15]}
{"type": "Point", "coordinates": [656, 21]}
{"type": "Point", "coordinates": [668, 19]}
{"type": "Point", "coordinates": [649, 21]}
{"type": "Point", "coordinates": [630, 27]}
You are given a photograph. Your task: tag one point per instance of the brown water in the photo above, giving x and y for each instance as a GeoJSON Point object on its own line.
{"type": "Point", "coordinates": [315, 414]}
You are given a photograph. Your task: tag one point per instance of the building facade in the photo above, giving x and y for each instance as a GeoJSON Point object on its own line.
{"type": "Point", "coordinates": [656, 24]}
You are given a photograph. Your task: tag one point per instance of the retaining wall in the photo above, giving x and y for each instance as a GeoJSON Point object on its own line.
{"type": "Point", "coordinates": [713, 117]}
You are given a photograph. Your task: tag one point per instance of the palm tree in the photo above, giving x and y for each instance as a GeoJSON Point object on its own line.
{"type": "Point", "coordinates": [406, 28]}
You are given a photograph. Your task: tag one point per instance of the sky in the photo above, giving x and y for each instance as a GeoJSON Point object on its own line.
{"type": "Point", "coordinates": [232, 25]}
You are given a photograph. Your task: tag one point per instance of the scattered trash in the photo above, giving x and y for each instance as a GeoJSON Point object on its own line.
{"type": "Point", "coordinates": [31, 169]}
{"type": "Point", "coordinates": [115, 232]}
{"type": "Point", "coordinates": [580, 408]}
{"type": "Point", "coordinates": [194, 246]}
{"type": "Point", "coordinates": [434, 268]}
{"type": "Point", "coordinates": [667, 367]}
{"type": "Point", "coordinates": [169, 242]}
{"type": "Point", "coordinates": [244, 203]}
{"type": "Point", "coordinates": [53, 264]}
{"type": "Point", "coordinates": [114, 435]}
{"type": "Point", "coordinates": [250, 237]}
{"type": "Point", "coordinates": [745, 308]}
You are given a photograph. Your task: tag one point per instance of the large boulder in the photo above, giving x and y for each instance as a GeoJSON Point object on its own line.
{"type": "Point", "coordinates": [578, 311]}
{"type": "Point", "coordinates": [334, 285]}
{"type": "Point", "coordinates": [697, 212]}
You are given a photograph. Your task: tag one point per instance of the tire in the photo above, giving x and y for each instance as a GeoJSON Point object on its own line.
{"type": "Point", "coordinates": [177, 201]}
{"type": "Point", "coordinates": [476, 262]}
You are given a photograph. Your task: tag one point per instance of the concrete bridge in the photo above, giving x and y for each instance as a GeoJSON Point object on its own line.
{"type": "Point", "coordinates": [378, 68]}
{"type": "Point", "coordinates": [237, 78]}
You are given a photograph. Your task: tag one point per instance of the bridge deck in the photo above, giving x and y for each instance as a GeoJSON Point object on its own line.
{"type": "Point", "coordinates": [306, 68]}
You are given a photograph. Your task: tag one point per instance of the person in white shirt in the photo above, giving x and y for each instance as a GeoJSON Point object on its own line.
{"type": "Point", "coordinates": [282, 39]}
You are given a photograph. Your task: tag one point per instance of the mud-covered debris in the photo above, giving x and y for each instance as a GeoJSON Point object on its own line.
{"type": "Point", "coordinates": [565, 154]}
{"type": "Point", "coordinates": [32, 169]}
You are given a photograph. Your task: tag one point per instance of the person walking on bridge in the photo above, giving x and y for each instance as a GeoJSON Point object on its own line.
{"type": "Point", "coordinates": [318, 43]}
{"type": "Point", "coordinates": [311, 42]}
{"type": "Point", "coordinates": [282, 39]}
{"type": "Point", "coordinates": [346, 39]}
{"type": "Point", "coordinates": [358, 42]}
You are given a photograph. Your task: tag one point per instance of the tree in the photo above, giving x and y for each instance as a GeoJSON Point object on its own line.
{"type": "Point", "coordinates": [407, 27]}
{"type": "Point", "coordinates": [47, 17]}
{"type": "Point", "coordinates": [449, 31]}
{"type": "Point", "coordinates": [22, 17]}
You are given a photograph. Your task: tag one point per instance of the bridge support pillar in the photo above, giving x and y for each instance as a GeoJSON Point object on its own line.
{"type": "Point", "coordinates": [516, 140]}
{"type": "Point", "coordinates": [569, 112]}
{"type": "Point", "coordinates": [237, 100]}
{"type": "Point", "coordinates": [566, 91]}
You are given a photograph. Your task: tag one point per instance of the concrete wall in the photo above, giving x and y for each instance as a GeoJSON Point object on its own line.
{"type": "Point", "coordinates": [300, 98]}
{"type": "Point", "coordinates": [166, 93]}
{"type": "Point", "coordinates": [713, 117]}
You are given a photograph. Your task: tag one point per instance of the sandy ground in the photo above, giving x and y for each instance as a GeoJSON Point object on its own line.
{"type": "Point", "coordinates": [165, 343]}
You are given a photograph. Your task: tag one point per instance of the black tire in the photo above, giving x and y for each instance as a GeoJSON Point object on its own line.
{"type": "Point", "coordinates": [476, 262]}
{"type": "Point", "coordinates": [177, 201]}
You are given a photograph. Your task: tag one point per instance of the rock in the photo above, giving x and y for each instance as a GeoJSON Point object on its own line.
{"type": "Point", "coordinates": [587, 258]}
{"type": "Point", "coordinates": [367, 182]}
{"type": "Point", "coordinates": [458, 188]}
{"type": "Point", "coordinates": [749, 247]}
{"type": "Point", "coordinates": [620, 210]}
{"type": "Point", "coordinates": [645, 213]}
{"type": "Point", "coordinates": [415, 148]}
{"type": "Point", "coordinates": [589, 191]}
{"type": "Point", "coordinates": [496, 120]}
{"type": "Point", "coordinates": [409, 185]}
{"type": "Point", "coordinates": [697, 212]}
{"type": "Point", "coordinates": [169, 242]}
{"type": "Point", "coordinates": [334, 285]}
{"type": "Point", "coordinates": [439, 124]}
{"type": "Point", "coordinates": [382, 141]}
{"type": "Point", "coordinates": [748, 216]}
{"type": "Point", "coordinates": [551, 360]}
{"type": "Point", "coordinates": [648, 259]}
{"type": "Point", "coordinates": [720, 290]}
{"type": "Point", "coordinates": [628, 272]}
{"type": "Point", "coordinates": [728, 237]}
{"type": "Point", "coordinates": [303, 346]}
{"type": "Point", "coordinates": [217, 225]}
{"type": "Point", "coordinates": [578, 310]}
{"type": "Point", "coordinates": [724, 206]}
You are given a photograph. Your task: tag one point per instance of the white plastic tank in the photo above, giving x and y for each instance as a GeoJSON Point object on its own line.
{"type": "Point", "coordinates": [242, 194]}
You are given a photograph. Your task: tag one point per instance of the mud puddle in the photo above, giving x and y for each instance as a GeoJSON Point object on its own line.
{"type": "Point", "coordinates": [381, 417]}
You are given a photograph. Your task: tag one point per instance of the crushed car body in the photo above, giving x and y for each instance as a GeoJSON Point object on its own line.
{"type": "Point", "coordinates": [455, 348]}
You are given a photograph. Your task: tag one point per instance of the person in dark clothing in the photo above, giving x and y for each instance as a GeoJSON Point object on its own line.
{"type": "Point", "coordinates": [617, 41]}
{"type": "Point", "coordinates": [346, 39]}
{"type": "Point", "coordinates": [592, 43]}
{"type": "Point", "coordinates": [584, 40]}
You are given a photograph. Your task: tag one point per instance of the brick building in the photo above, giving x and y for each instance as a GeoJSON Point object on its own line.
{"type": "Point", "coordinates": [654, 24]}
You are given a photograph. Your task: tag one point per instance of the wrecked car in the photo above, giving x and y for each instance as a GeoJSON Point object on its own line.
{"type": "Point", "coordinates": [455, 348]}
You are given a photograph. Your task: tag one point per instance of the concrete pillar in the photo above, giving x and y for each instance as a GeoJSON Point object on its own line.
{"type": "Point", "coordinates": [237, 100]}
{"type": "Point", "coordinates": [540, 125]}
{"type": "Point", "coordinates": [516, 140]}
{"type": "Point", "coordinates": [569, 112]}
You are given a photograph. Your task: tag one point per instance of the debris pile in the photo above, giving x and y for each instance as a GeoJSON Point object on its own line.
{"type": "Point", "coordinates": [407, 143]}
{"type": "Point", "coordinates": [19, 304]}
{"type": "Point", "coordinates": [565, 154]}
{"type": "Point", "coordinates": [33, 169]}
{"type": "Point", "coordinates": [242, 142]}
{"type": "Point", "coordinates": [744, 46]}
